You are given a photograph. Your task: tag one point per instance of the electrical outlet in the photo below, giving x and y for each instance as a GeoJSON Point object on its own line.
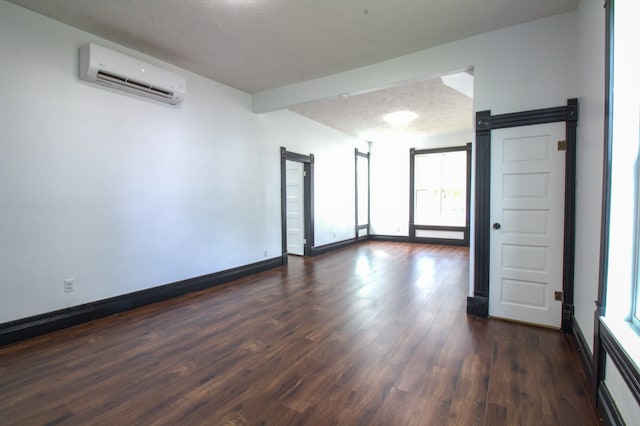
{"type": "Point", "coordinates": [69, 285]}
{"type": "Point", "coordinates": [265, 253]}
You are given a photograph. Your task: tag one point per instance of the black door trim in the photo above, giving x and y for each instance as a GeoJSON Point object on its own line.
{"type": "Point", "coordinates": [478, 304]}
{"type": "Point", "coordinates": [366, 226]}
{"type": "Point", "coordinates": [308, 161]}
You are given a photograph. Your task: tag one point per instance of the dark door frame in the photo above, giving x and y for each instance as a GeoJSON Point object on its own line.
{"type": "Point", "coordinates": [358, 225]}
{"type": "Point", "coordinates": [478, 304]}
{"type": "Point", "coordinates": [308, 162]}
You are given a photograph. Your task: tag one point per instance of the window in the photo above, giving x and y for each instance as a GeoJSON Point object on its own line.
{"type": "Point", "coordinates": [440, 194]}
{"type": "Point", "coordinates": [617, 332]}
{"type": "Point", "coordinates": [441, 188]}
{"type": "Point", "coordinates": [635, 306]}
{"type": "Point", "coordinates": [623, 263]}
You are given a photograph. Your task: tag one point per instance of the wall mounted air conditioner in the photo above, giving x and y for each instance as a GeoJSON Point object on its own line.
{"type": "Point", "coordinates": [108, 68]}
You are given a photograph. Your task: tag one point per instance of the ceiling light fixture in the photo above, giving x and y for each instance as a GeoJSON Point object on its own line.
{"type": "Point", "coordinates": [400, 118]}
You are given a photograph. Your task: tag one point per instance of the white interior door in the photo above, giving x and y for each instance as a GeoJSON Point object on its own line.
{"type": "Point", "coordinates": [295, 207]}
{"type": "Point", "coordinates": [527, 217]}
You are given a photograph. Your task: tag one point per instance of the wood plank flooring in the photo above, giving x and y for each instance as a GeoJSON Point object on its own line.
{"type": "Point", "coordinates": [374, 334]}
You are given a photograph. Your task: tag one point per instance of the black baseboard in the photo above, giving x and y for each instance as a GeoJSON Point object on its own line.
{"type": "Point", "coordinates": [14, 331]}
{"type": "Point", "coordinates": [441, 241]}
{"type": "Point", "coordinates": [607, 407]}
{"type": "Point", "coordinates": [363, 238]}
{"type": "Point", "coordinates": [419, 240]}
{"type": "Point", "coordinates": [583, 349]}
{"type": "Point", "coordinates": [478, 306]}
{"type": "Point", "coordinates": [390, 238]}
{"type": "Point", "coordinates": [315, 251]}
{"type": "Point", "coordinates": [567, 317]}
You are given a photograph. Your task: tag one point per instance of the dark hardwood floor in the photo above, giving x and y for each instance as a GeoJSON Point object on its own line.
{"type": "Point", "coordinates": [374, 334]}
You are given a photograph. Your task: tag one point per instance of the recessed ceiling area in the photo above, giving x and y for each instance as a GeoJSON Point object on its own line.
{"type": "Point", "coordinates": [439, 108]}
{"type": "Point", "coordinates": [256, 45]}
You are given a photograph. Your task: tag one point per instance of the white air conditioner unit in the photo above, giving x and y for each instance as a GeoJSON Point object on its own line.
{"type": "Point", "coordinates": [108, 68]}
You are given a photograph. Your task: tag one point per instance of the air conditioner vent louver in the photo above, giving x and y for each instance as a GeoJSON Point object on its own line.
{"type": "Point", "coordinates": [114, 70]}
{"type": "Point", "coordinates": [143, 87]}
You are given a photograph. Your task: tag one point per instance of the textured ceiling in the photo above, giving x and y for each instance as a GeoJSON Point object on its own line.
{"type": "Point", "coordinates": [255, 45]}
{"type": "Point", "coordinates": [440, 109]}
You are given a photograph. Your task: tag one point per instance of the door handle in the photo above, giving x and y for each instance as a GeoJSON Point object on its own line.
{"type": "Point", "coordinates": [497, 226]}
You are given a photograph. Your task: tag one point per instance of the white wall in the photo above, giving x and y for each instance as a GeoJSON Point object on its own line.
{"type": "Point", "coordinates": [527, 66]}
{"type": "Point", "coordinates": [625, 402]}
{"type": "Point", "coordinates": [591, 18]}
{"type": "Point", "coordinates": [334, 169]}
{"type": "Point", "coordinates": [124, 194]}
{"type": "Point", "coordinates": [390, 179]}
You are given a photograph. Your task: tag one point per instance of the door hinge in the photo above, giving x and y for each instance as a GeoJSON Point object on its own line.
{"type": "Point", "coordinates": [304, 173]}
{"type": "Point", "coordinates": [562, 145]}
{"type": "Point", "coordinates": [304, 241]}
{"type": "Point", "coordinates": [559, 296]}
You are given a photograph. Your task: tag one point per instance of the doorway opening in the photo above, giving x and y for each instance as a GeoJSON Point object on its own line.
{"type": "Point", "coordinates": [363, 195]}
{"type": "Point", "coordinates": [296, 194]}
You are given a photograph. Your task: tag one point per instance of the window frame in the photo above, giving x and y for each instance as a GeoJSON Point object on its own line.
{"type": "Point", "coordinates": [413, 227]}
{"type": "Point", "coordinates": [618, 170]}
{"type": "Point", "coordinates": [634, 314]}
{"type": "Point", "coordinates": [616, 334]}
